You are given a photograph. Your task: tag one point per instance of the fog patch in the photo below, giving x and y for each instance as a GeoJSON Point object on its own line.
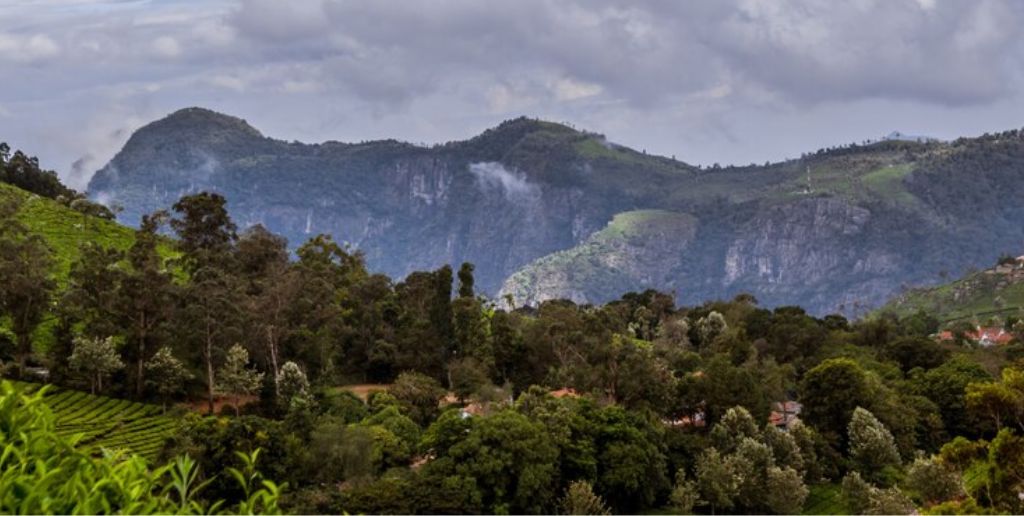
{"type": "Point", "coordinates": [104, 197]}
{"type": "Point", "coordinates": [513, 184]}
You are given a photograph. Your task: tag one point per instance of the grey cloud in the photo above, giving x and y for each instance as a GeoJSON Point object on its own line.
{"type": "Point", "coordinates": [716, 80]}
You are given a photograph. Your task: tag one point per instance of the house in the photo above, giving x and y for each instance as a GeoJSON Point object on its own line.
{"type": "Point", "coordinates": [565, 392]}
{"type": "Point", "coordinates": [696, 420]}
{"type": "Point", "coordinates": [984, 336]}
{"type": "Point", "coordinates": [784, 414]}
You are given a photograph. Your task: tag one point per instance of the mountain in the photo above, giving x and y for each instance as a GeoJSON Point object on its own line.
{"type": "Point", "coordinates": [546, 211]}
{"type": "Point", "coordinates": [994, 291]}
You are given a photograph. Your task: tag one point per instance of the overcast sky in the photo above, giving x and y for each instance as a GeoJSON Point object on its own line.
{"type": "Point", "coordinates": [729, 81]}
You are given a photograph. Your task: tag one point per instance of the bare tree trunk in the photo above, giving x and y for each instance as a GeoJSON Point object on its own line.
{"type": "Point", "coordinates": [208, 355]}
{"type": "Point", "coordinates": [140, 366]}
{"type": "Point", "coordinates": [272, 344]}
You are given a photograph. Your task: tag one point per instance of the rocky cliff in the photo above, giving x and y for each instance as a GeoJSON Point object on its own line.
{"type": "Point", "coordinates": [545, 211]}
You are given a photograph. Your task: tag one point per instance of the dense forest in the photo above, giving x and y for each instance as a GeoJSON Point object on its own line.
{"type": "Point", "coordinates": [637, 405]}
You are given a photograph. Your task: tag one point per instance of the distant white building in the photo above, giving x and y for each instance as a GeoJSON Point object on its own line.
{"type": "Point", "coordinates": [898, 136]}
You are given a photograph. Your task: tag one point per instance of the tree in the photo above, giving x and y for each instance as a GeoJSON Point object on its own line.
{"type": "Point", "coordinates": [206, 234]}
{"type": "Point", "coordinates": [872, 447]}
{"type": "Point", "coordinates": [145, 299]}
{"type": "Point", "coordinates": [830, 392]}
{"type": "Point", "coordinates": [25, 282]}
{"type": "Point", "coordinates": [292, 383]}
{"type": "Point", "coordinates": [945, 385]}
{"type": "Point", "coordinates": [512, 460]}
{"type": "Point", "coordinates": [685, 494]}
{"type": "Point", "coordinates": [95, 359]}
{"type": "Point", "coordinates": [734, 426]}
{"type": "Point", "coordinates": [235, 378]}
{"type": "Point", "coordinates": [579, 498]}
{"type": "Point", "coordinates": [166, 374]}
{"type": "Point", "coordinates": [418, 395]}
{"type": "Point", "coordinates": [710, 327]}
{"type": "Point", "coordinates": [785, 491]}
{"type": "Point", "coordinates": [467, 377]}
{"type": "Point", "coordinates": [208, 319]}
{"type": "Point", "coordinates": [934, 480]}
{"type": "Point", "coordinates": [1002, 401]}
{"type": "Point", "coordinates": [466, 280]}
{"type": "Point", "coordinates": [716, 480]}
{"type": "Point", "coordinates": [271, 291]}
{"type": "Point", "coordinates": [206, 238]}
{"type": "Point", "coordinates": [856, 493]}
{"type": "Point", "coordinates": [889, 501]}
{"type": "Point", "coordinates": [911, 352]}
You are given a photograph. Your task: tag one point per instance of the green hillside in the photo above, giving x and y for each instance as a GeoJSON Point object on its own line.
{"type": "Point", "coordinates": [64, 229]}
{"type": "Point", "coordinates": [998, 291]}
{"type": "Point", "coordinates": [104, 423]}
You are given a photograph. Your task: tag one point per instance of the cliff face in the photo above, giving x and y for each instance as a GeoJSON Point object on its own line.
{"type": "Point", "coordinates": [545, 211]}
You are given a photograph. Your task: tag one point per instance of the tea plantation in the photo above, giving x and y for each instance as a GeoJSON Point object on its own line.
{"type": "Point", "coordinates": [108, 423]}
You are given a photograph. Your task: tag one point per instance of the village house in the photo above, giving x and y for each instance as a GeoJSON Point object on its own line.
{"type": "Point", "coordinates": [784, 414]}
{"type": "Point", "coordinates": [984, 336]}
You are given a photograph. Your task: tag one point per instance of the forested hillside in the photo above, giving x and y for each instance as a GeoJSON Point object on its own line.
{"type": "Point", "coordinates": [638, 405]}
{"type": "Point", "coordinates": [992, 293]}
{"type": "Point", "coordinates": [534, 204]}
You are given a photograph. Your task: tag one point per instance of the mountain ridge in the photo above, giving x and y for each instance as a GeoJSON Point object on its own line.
{"type": "Point", "coordinates": [839, 229]}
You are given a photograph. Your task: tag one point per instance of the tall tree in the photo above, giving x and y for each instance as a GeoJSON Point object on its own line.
{"type": "Point", "coordinates": [272, 285]}
{"type": "Point", "coordinates": [145, 299]}
{"type": "Point", "coordinates": [25, 282]}
{"type": "Point", "coordinates": [206, 234]}
{"type": "Point", "coordinates": [211, 308]}
{"type": "Point", "coordinates": [208, 319]}
{"type": "Point", "coordinates": [466, 280]}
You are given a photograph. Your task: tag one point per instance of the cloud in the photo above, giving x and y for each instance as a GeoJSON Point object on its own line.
{"type": "Point", "coordinates": [494, 176]}
{"type": "Point", "coordinates": [716, 80]}
{"type": "Point", "coordinates": [22, 48]}
{"type": "Point", "coordinates": [166, 46]}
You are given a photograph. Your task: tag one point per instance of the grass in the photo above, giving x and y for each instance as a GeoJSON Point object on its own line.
{"type": "Point", "coordinates": [825, 499]}
{"type": "Point", "coordinates": [977, 296]}
{"type": "Point", "coordinates": [64, 229]}
{"type": "Point", "coordinates": [887, 183]}
{"type": "Point", "coordinates": [105, 423]}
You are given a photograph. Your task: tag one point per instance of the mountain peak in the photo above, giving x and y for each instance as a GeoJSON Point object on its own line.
{"type": "Point", "coordinates": [202, 120]}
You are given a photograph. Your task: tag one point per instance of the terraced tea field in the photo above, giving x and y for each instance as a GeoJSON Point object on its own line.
{"type": "Point", "coordinates": [109, 423]}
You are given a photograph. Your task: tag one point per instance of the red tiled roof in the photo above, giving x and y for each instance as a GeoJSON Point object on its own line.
{"type": "Point", "coordinates": [993, 334]}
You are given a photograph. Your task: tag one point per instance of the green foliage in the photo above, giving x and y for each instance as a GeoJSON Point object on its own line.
{"type": "Point", "coordinates": [235, 378]}
{"type": "Point", "coordinates": [872, 447]}
{"type": "Point", "coordinates": [785, 491]}
{"type": "Point", "coordinates": [1002, 401]}
{"type": "Point", "coordinates": [418, 396]}
{"type": "Point", "coordinates": [830, 392]}
{"type": "Point", "coordinates": [42, 472]}
{"type": "Point", "coordinates": [579, 498]}
{"type": "Point", "coordinates": [95, 359]}
{"type": "Point", "coordinates": [166, 374]}
{"type": "Point", "coordinates": [934, 481]}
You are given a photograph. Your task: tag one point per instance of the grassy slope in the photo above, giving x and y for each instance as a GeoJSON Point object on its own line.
{"type": "Point", "coordinates": [64, 231]}
{"type": "Point", "coordinates": [978, 295]}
